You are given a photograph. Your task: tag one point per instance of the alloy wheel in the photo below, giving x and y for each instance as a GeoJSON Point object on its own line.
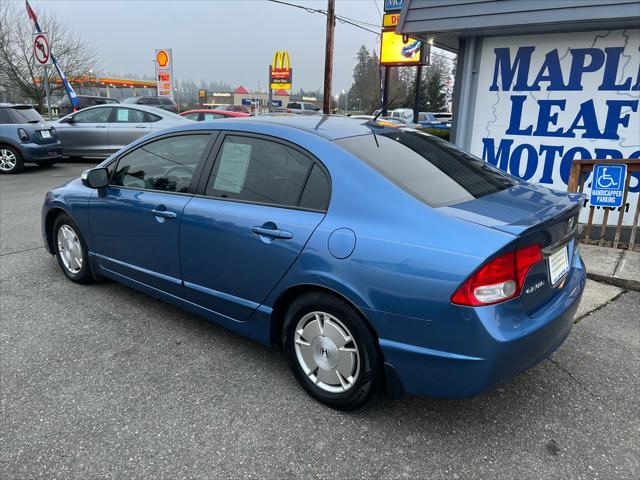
{"type": "Point", "coordinates": [327, 352]}
{"type": "Point", "coordinates": [7, 160]}
{"type": "Point", "coordinates": [70, 249]}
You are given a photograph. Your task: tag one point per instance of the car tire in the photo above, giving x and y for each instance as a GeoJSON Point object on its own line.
{"type": "Point", "coordinates": [46, 163]}
{"type": "Point", "coordinates": [331, 350]}
{"type": "Point", "coordinates": [71, 250]}
{"type": "Point", "coordinates": [10, 160]}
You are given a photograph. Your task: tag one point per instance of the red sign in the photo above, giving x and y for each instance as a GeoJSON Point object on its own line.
{"type": "Point", "coordinates": [41, 49]}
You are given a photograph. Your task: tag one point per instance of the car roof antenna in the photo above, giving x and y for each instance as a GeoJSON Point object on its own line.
{"type": "Point", "coordinates": [384, 107]}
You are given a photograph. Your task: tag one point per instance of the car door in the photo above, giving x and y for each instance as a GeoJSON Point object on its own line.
{"type": "Point", "coordinates": [240, 237]}
{"type": "Point", "coordinates": [86, 134]}
{"type": "Point", "coordinates": [127, 125]}
{"type": "Point", "coordinates": [135, 221]}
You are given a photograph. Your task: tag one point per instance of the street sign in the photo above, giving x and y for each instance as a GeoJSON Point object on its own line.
{"type": "Point", "coordinates": [41, 49]}
{"type": "Point", "coordinates": [164, 72]}
{"type": "Point", "coordinates": [392, 5]}
{"type": "Point", "coordinates": [607, 187]}
{"type": "Point", "coordinates": [399, 50]}
{"type": "Point", "coordinates": [390, 20]}
{"type": "Point", "coordinates": [281, 72]}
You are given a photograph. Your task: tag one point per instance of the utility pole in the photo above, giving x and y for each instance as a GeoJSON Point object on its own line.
{"type": "Point", "coordinates": [416, 102]}
{"type": "Point", "coordinates": [328, 57]}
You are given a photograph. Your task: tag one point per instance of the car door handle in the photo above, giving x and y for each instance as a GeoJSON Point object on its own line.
{"type": "Point", "coordinates": [101, 126]}
{"type": "Point", "coordinates": [163, 213]}
{"type": "Point", "coordinates": [141, 126]}
{"type": "Point", "coordinates": [273, 233]}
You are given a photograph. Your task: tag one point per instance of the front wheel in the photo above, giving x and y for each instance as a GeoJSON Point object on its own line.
{"type": "Point", "coordinates": [333, 354]}
{"type": "Point", "coordinates": [71, 250]}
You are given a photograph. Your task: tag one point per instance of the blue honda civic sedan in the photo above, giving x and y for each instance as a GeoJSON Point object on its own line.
{"type": "Point", "coordinates": [376, 257]}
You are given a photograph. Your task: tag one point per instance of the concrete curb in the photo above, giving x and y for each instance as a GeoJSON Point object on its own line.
{"type": "Point", "coordinates": [624, 283]}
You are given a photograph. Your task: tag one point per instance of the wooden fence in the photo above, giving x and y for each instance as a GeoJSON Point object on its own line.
{"type": "Point", "coordinates": [580, 170]}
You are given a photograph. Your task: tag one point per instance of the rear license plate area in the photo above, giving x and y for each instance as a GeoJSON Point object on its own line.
{"type": "Point", "coordinates": [558, 265]}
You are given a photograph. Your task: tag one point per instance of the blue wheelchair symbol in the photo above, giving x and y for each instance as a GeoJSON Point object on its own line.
{"type": "Point", "coordinates": [605, 180]}
{"type": "Point", "coordinates": [607, 189]}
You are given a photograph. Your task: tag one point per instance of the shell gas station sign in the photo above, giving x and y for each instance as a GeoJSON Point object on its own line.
{"type": "Point", "coordinates": [164, 72]}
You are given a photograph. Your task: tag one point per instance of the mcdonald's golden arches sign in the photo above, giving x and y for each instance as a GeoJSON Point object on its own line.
{"type": "Point", "coordinates": [281, 71]}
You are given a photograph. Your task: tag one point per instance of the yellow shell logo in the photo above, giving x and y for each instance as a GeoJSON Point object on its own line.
{"type": "Point", "coordinates": [162, 58]}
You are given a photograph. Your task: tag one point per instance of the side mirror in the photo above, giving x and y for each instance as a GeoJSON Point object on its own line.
{"type": "Point", "coordinates": [66, 120]}
{"type": "Point", "coordinates": [95, 178]}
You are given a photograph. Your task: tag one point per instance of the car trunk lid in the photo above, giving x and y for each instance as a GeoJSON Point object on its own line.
{"type": "Point", "coordinates": [534, 215]}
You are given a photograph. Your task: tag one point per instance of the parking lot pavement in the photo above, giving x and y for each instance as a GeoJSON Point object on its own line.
{"type": "Point", "coordinates": [102, 382]}
{"type": "Point", "coordinates": [21, 198]}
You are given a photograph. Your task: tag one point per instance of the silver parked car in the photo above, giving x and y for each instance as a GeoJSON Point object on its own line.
{"type": "Point", "coordinates": [99, 131]}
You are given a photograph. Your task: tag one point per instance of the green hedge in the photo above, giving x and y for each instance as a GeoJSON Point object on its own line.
{"type": "Point", "coordinates": [438, 132]}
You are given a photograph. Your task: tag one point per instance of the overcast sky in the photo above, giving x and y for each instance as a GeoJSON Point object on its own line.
{"type": "Point", "coordinates": [225, 40]}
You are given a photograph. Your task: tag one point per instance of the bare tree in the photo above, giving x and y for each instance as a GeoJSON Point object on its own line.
{"type": "Point", "coordinates": [19, 74]}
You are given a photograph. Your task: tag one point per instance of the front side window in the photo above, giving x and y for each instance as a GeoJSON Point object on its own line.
{"type": "Point", "coordinates": [257, 170]}
{"type": "Point", "coordinates": [308, 106]}
{"type": "Point", "coordinates": [94, 115]}
{"type": "Point", "coordinates": [129, 115]}
{"type": "Point", "coordinates": [192, 116]}
{"type": "Point", "coordinates": [212, 116]}
{"type": "Point", "coordinates": [167, 164]}
{"type": "Point", "coordinates": [434, 171]}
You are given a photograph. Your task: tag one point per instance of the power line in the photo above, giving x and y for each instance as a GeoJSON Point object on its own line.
{"type": "Point", "coordinates": [377, 8]}
{"type": "Point", "coordinates": [340, 18]}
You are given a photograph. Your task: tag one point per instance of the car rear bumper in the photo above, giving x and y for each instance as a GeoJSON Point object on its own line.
{"type": "Point", "coordinates": [37, 153]}
{"type": "Point", "coordinates": [507, 343]}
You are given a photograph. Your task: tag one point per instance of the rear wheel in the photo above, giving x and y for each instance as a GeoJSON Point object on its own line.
{"type": "Point", "coordinates": [71, 250]}
{"type": "Point", "coordinates": [10, 160]}
{"type": "Point", "coordinates": [332, 352]}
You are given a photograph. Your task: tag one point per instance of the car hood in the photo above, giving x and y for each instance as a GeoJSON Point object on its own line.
{"type": "Point", "coordinates": [516, 209]}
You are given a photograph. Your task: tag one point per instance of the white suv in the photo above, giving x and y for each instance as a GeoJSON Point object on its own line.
{"type": "Point", "coordinates": [302, 107]}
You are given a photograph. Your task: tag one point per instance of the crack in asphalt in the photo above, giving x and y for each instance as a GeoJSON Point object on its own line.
{"type": "Point", "coordinates": [577, 320]}
{"type": "Point", "coordinates": [576, 381]}
{"type": "Point", "coordinates": [20, 251]}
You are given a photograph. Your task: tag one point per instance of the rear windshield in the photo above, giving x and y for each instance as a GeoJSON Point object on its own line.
{"type": "Point", "coordinates": [23, 115]}
{"type": "Point", "coordinates": [431, 169]}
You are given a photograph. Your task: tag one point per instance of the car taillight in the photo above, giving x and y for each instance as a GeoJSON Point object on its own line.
{"type": "Point", "coordinates": [498, 280]}
{"type": "Point", "coordinates": [23, 135]}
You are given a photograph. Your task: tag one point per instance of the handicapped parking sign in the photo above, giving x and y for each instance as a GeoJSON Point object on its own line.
{"type": "Point", "coordinates": [607, 187]}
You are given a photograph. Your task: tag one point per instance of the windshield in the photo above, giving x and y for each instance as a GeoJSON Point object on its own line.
{"type": "Point", "coordinates": [25, 115]}
{"type": "Point", "coordinates": [433, 170]}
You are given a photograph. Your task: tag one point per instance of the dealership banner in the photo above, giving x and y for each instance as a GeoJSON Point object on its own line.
{"type": "Point", "coordinates": [544, 100]}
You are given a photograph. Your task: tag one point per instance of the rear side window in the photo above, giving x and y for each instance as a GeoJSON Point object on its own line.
{"type": "Point", "coordinates": [431, 169]}
{"type": "Point", "coordinates": [316, 191]}
{"type": "Point", "coordinates": [150, 118]}
{"type": "Point", "coordinates": [129, 115]}
{"type": "Point", "coordinates": [166, 101]}
{"type": "Point", "coordinates": [5, 118]}
{"type": "Point", "coordinates": [167, 165]}
{"type": "Point", "coordinates": [212, 116]}
{"type": "Point", "coordinates": [260, 171]}
{"type": "Point", "coordinates": [294, 105]}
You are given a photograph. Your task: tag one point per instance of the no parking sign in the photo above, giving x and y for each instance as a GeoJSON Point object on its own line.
{"type": "Point", "coordinates": [41, 49]}
{"type": "Point", "coordinates": [607, 188]}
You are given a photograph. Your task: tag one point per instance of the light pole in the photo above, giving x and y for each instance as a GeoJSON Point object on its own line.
{"type": "Point", "coordinates": [337, 97]}
{"type": "Point", "coordinates": [346, 100]}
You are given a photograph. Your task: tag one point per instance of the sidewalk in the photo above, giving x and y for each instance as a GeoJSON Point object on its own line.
{"type": "Point", "coordinates": [611, 265]}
